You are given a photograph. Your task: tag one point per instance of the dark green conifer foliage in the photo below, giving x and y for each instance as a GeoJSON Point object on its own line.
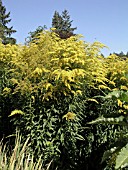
{"type": "Point", "coordinates": [63, 24]}
{"type": "Point", "coordinates": [5, 31]}
{"type": "Point", "coordinates": [34, 34]}
{"type": "Point", "coordinates": [122, 55]}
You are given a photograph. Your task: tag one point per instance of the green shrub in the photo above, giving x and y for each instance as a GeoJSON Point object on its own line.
{"type": "Point", "coordinates": [49, 91]}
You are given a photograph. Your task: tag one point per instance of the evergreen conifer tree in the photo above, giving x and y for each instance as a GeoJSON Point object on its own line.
{"type": "Point", "coordinates": [34, 34]}
{"type": "Point", "coordinates": [5, 31]}
{"type": "Point", "coordinates": [63, 24]}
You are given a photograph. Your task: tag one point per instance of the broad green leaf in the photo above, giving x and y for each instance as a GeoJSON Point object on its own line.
{"type": "Point", "coordinates": [114, 93]}
{"type": "Point", "coordinates": [122, 158]}
{"type": "Point", "coordinates": [107, 154]}
{"type": "Point", "coordinates": [124, 96]}
{"type": "Point", "coordinates": [102, 120]}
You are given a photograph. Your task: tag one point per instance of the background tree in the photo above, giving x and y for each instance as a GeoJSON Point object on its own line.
{"type": "Point", "coordinates": [5, 31]}
{"type": "Point", "coordinates": [34, 35]}
{"type": "Point", "coordinates": [122, 55]}
{"type": "Point", "coordinates": [63, 24]}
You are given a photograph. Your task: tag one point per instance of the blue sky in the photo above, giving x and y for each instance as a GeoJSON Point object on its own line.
{"type": "Point", "coordinates": [97, 20]}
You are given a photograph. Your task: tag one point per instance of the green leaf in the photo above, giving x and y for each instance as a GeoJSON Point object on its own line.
{"type": "Point", "coordinates": [118, 94]}
{"type": "Point", "coordinates": [79, 137]}
{"type": "Point", "coordinates": [122, 158]}
{"type": "Point", "coordinates": [62, 138]}
{"type": "Point", "coordinates": [117, 120]}
{"type": "Point", "coordinates": [115, 93]}
{"type": "Point", "coordinates": [124, 96]}
{"type": "Point", "coordinates": [107, 154]}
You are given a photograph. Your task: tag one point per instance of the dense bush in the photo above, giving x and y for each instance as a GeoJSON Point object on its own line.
{"type": "Point", "coordinates": [50, 90]}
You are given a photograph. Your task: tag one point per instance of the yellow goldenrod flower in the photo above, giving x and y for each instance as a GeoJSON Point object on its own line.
{"type": "Point", "coordinates": [93, 100]}
{"type": "Point", "coordinates": [69, 116]}
{"type": "Point", "coordinates": [125, 106]}
{"type": "Point", "coordinates": [119, 103]}
{"type": "Point", "coordinates": [14, 112]}
{"type": "Point", "coordinates": [6, 91]}
{"type": "Point", "coordinates": [37, 71]}
{"type": "Point", "coordinates": [53, 29]}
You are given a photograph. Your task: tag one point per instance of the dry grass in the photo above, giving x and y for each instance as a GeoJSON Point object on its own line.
{"type": "Point", "coordinates": [19, 158]}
